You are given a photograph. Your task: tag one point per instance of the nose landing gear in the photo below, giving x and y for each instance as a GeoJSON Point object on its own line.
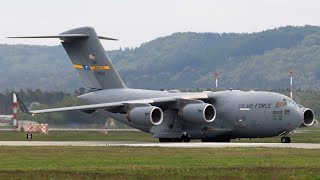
{"type": "Point", "coordinates": [285, 139]}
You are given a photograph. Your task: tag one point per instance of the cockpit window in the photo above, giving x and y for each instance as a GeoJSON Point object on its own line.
{"type": "Point", "coordinates": [284, 104]}
{"type": "Point", "coordinates": [291, 104]}
{"type": "Point", "coordinates": [281, 104]}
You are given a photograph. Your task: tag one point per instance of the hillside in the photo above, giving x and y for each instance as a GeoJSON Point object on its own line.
{"type": "Point", "coordinates": [182, 60]}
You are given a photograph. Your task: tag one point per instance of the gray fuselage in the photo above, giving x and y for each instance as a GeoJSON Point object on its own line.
{"type": "Point", "coordinates": [240, 114]}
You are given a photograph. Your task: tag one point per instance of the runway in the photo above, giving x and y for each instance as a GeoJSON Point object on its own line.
{"type": "Point", "coordinates": [169, 145]}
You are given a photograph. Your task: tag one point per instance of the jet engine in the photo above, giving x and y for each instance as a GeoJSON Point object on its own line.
{"type": "Point", "coordinates": [202, 112]}
{"type": "Point", "coordinates": [308, 117]}
{"type": "Point", "coordinates": [147, 116]}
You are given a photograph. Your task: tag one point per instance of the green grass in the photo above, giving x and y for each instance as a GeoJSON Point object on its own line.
{"type": "Point", "coordinates": [308, 136]}
{"type": "Point", "coordinates": [5, 127]}
{"type": "Point", "coordinates": [78, 136]}
{"type": "Point", "coordinates": [157, 163]}
{"type": "Point", "coordinates": [153, 162]}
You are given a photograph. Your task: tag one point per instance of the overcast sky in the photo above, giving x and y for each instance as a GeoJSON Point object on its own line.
{"type": "Point", "coordinates": [138, 21]}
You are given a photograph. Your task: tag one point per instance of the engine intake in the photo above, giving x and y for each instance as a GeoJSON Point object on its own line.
{"type": "Point", "coordinates": [308, 117]}
{"type": "Point", "coordinates": [202, 112]}
{"type": "Point", "coordinates": [147, 116]}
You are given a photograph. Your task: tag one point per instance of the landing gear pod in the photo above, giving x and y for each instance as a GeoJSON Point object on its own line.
{"type": "Point", "coordinates": [196, 113]}
{"type": "Point", "coordinates": [147, 116]}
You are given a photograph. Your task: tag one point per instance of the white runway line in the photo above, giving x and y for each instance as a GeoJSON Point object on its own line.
{"type": "Point", "coordinates": [145, 144]}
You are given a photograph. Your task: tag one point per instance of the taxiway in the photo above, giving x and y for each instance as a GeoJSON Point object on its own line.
{"type": "Point", "coordinates": [146, 144]}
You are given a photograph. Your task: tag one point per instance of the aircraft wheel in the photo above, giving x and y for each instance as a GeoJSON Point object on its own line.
{"type": "Point", "coordinates": [185, 137]}
{"type": "Point", "coordinates": [285, 140]}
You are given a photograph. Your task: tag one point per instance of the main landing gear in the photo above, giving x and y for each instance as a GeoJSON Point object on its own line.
{"type": "Point", "coordinates": [185, 137]}
{"type": "Point", "coordinates": [285, 139]}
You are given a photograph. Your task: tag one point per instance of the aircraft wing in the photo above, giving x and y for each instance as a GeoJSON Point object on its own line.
{"type": "Point", "coordinates": [93, 107]}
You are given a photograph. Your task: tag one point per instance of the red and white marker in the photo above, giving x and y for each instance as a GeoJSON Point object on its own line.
{"type": "Point", "coordinates": [216, 76]}
{"type": "Point", "coordinates": [290, 74]}
{"type": "Point", "coordinates": [14, 107]}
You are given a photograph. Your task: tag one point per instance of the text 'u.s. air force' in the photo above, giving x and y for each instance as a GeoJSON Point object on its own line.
{"type": "Point", "coordinates": [257, 105]}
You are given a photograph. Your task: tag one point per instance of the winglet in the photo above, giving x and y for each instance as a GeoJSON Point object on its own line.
{"type": "Point", "coordinates": [21, 104]}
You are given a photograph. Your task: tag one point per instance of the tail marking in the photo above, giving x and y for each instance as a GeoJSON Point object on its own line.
{"type": "Point", "coordinates": [93, 68]}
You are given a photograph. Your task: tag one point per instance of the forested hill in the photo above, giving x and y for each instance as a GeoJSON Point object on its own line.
{"type": "Point", "coordinates": [182, 60]}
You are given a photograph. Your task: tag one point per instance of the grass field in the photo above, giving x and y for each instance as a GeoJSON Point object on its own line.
{"type": "Point", "coordinates": [157, 163]}
{"type": "Point", "coordinates": [78, 136]}
{"type": "Point", "coordinates": [302, 136]}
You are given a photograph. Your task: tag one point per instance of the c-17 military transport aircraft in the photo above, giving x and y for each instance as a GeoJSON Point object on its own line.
{"type": "Point", "coordinates": [174, 116]}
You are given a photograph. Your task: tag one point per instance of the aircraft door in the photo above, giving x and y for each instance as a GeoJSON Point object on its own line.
{"type": "Point", "coordinates": [241, 117]}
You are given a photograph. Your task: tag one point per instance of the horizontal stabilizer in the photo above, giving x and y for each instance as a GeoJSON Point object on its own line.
{"type": "Point", "coordinates": [64, 36]}
{"type": "Point", "coordinates": [106, 38]}
{"type": "Point", "coordinates": [55, 36]}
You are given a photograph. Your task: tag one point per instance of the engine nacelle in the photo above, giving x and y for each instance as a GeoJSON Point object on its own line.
{"type": "Point", "coordinates": [147, 116]}
{"type": "Point", "coordinates": [202, 112]}
{"type": "Point", "coordinates": [308, 117]}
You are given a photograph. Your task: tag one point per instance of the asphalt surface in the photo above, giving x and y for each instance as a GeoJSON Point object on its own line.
{"type": "Point", "coordinates": [145, 144]}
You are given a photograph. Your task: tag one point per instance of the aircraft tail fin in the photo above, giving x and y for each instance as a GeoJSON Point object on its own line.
{"type": "Point", "coordinates": [89, 58]}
